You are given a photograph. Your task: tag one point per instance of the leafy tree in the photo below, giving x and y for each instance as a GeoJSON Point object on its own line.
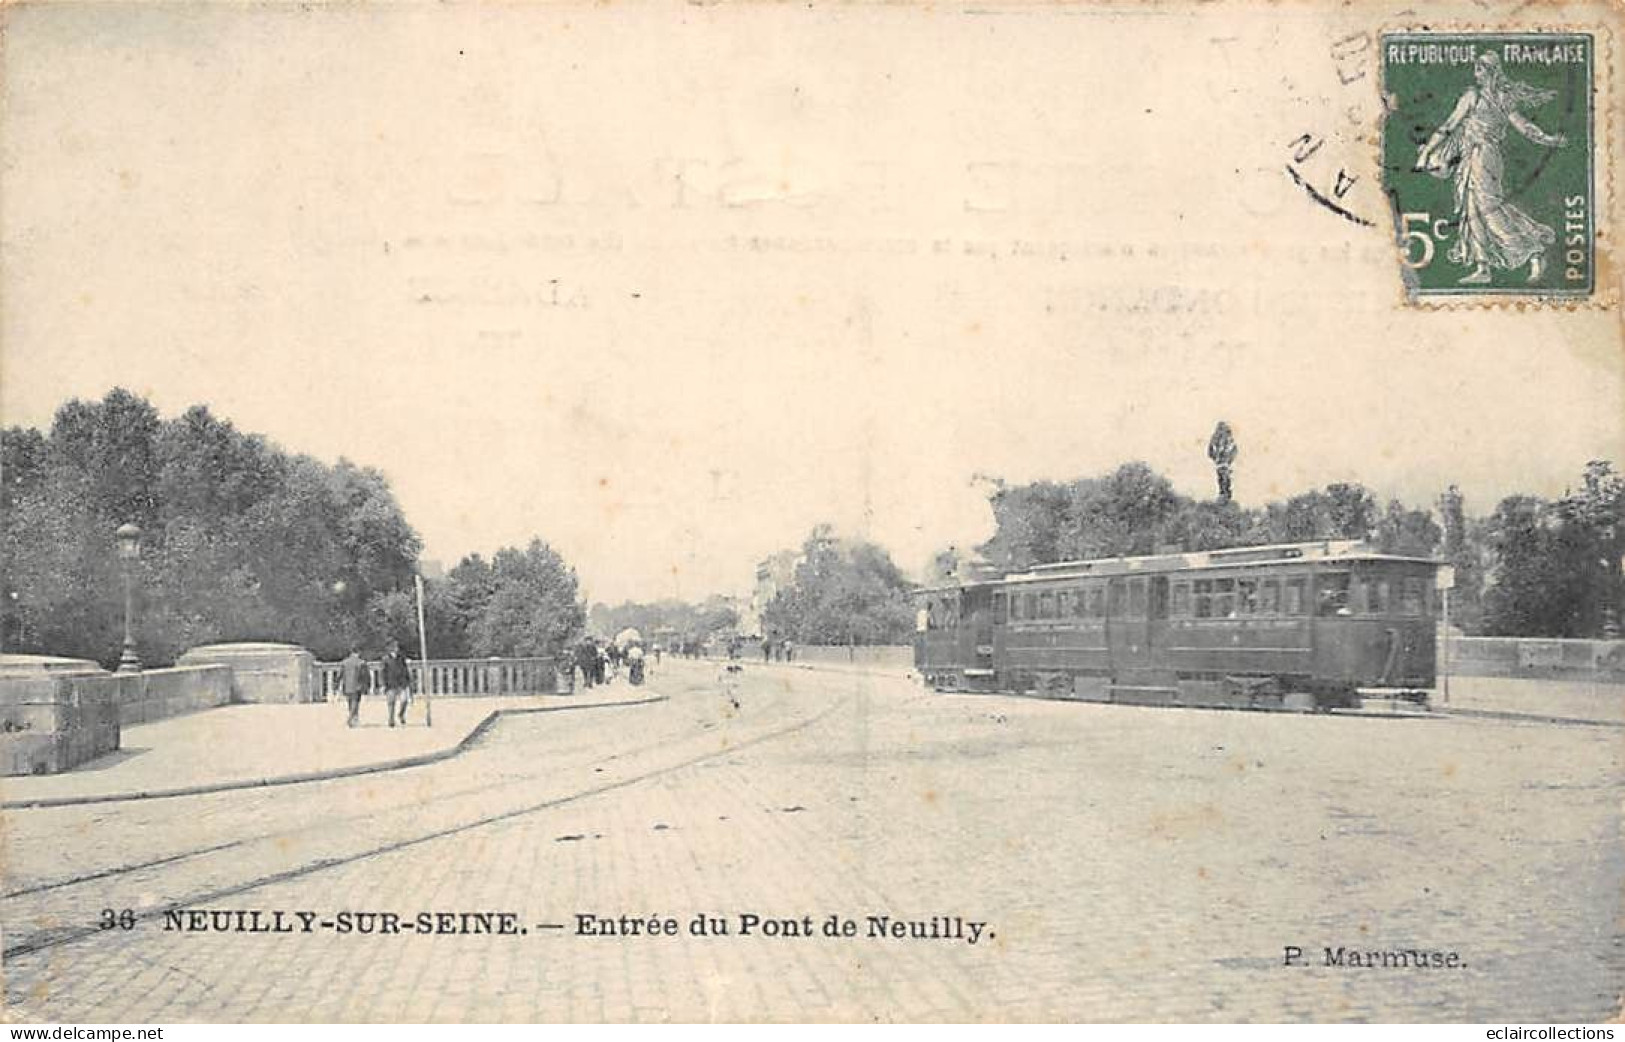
{"type": "Point", "coordinates": [715, 615]}
{"type": "Point", "coordinates": [1593, 519]}
{"type": "Point", "coordinates": [240, 541]}
{"type": "Point", "coordinates": [110, 447]}
{"type": "Point", "coordinates": [1351, 510]}
{"type": "Point", "coordinates": [1212, 525]}
{"type": "Point", "coordinates": [1532, 590]}
{"type": "Point", "coordinates": [1412, 533]}
{"type": "Point", "coordinates": [454, 603]}
{"type": "Point", "coordinates": [1463, 548]}
{"type": "Point", "coordinates": [22, 463]}
{"type": "Point", "coordinates": [844, 592]}
{"type": "Point", "coordinates": [1556, 565]}
{"type": "Point", "coordinates": [1123, 512]}
{"type": "Point", "coordinates": [1339, 511]}
{"type": "Point", "coordinates": [534, 607]}
{"type": "Point", "coordinates": [1030, 521]}
{"type": "Point", "coordinates": [393, 616]}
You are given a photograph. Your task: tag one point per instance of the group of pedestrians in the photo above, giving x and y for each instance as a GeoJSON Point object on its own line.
{"type": "Point", "coordinates": [778, 650]}
{"type": "Point", "coordinates": [394, 676]}
{"type": "Point", "coordinates": [600, 662]}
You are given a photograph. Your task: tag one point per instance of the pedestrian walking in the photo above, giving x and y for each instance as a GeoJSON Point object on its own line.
{"type": "Point", "coordinates": [728, 680]}
{"type": "Point", "coordinates": [578, 659]}
{"type": "Point", "coordinates": [353, 681]}
{"type": "Point", "coordinates": [397, 682]}
{"type": "Point", "coordinates": [789, 651]}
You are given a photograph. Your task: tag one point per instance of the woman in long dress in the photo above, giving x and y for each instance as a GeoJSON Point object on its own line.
{"type": "Point", "coordinates": [1491, 232]}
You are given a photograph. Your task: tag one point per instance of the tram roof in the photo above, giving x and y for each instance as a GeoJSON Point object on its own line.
{"type": "Point", "coordinates": [1331, 550]}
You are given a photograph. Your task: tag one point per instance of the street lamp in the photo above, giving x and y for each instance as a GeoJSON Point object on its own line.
{"type": "Point", "coordinates": [129, 552]}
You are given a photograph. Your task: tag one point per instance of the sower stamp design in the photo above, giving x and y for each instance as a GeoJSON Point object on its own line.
{"type": "Point", "coordinates": [1487, 160]}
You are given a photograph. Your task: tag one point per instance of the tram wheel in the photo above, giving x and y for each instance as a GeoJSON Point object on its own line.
{"type": "Point", "coordinates": [1300, 702]}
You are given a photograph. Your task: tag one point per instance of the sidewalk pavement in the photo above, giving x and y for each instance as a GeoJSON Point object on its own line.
{"type": "Point", "coordinates": [1591, 702]}
{"type": "Point", "coordinates": [244, 746]}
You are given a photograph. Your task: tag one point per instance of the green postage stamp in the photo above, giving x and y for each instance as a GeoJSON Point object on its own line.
{"type": "Point", "coordinates": [1487, 155]}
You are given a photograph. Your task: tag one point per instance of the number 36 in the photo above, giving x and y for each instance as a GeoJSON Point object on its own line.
{"type": "Point", "coordinates": [123, 919]}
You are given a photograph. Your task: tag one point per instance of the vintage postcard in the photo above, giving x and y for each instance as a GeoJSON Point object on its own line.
{"type": "Point", "coordinates": [647, 512]}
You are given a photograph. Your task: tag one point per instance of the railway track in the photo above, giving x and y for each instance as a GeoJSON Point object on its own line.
{"type": "Point", "coordinates": [209, 866]}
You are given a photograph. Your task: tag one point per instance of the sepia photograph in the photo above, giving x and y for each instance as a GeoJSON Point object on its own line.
{"type": "Point", "coordinates": [766, 513]}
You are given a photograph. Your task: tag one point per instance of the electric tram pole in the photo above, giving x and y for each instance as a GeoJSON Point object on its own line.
{"type": "Point", "coordinates": [1445, 582]}
{"type": "Point", "coordinates": [423, 655]}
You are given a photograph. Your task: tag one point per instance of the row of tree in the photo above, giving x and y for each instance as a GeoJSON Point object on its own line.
{"type": "Point", "coordinates": [240, 541]}
{"type": "Point", "coordinates": [670, 620]}
{"type": "Point", "coordinates": [1134, 510]}
{"type": "Point", "coordinates": [1533, 567]}
{"type": "Point", "coordinates": [1544, 567]}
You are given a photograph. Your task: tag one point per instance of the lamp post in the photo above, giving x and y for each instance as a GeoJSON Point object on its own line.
{"type": "Point", "coordinates": [129, 552]}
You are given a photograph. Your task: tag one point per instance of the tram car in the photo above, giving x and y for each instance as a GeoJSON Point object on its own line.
{"type": "Point", "coordinates": [1304, 626]}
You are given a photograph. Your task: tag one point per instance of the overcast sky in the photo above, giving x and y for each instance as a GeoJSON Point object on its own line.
{"type": "Point", "coordinates": [667, 286]}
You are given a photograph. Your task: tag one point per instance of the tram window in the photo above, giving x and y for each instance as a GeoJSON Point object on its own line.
{"type": "Point", "coordinates": [1029, 606]}
{"type": "Point", "coordinates": [1159, 598]}
{"type": "Point", "coordinates": [1097, 602]}
{"type": "Point", "coordinates": [1224, 598]}
{"type": "Point", "coordinates": [1182, 600]}
{"type": "Point", "coordinates": [1063, 604]}
{"type": "Point", "coordinates": [1046, 605]}
{"type": "Point", "coordinates": [1115, 589]}
{"type": "Point", "coordinates": [1333, 593]}
{"type": "Point", "coordinates": [1293, 596]}
{"type": "Point", "coordinates": [1269, 596]}
{"type": "Point", "coordinates": [1204, 598]}
{"type": "Point", "coordinates": [1376, 596]}
{"type": "Point", "coordinates": [1136, 598]}
{"type": "Point", "coordinates": [1413, 600]}
{"type": "Point", "coordinates": [1080, 603]}
{"type": "Point", "coordinates": [998, 609]}
{"type": "Point", "coordinates": [1015, 608]}
{"type": "Point", "coordinates": [1246, 596]}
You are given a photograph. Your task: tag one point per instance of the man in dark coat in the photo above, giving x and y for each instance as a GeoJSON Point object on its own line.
{"type": "Point", "coordinates": [397, 682]}
{"type": "Point", "coordinates": [353, 682]}
{"type": "Point", "coordinates": [587, 659]}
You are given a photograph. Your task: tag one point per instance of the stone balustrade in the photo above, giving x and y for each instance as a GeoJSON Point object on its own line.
{"type": "Point", "coordinates": [456, 678]}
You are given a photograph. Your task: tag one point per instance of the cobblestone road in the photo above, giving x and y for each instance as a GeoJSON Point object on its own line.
{"type": "Point", "coordinates": [1129, 864]}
